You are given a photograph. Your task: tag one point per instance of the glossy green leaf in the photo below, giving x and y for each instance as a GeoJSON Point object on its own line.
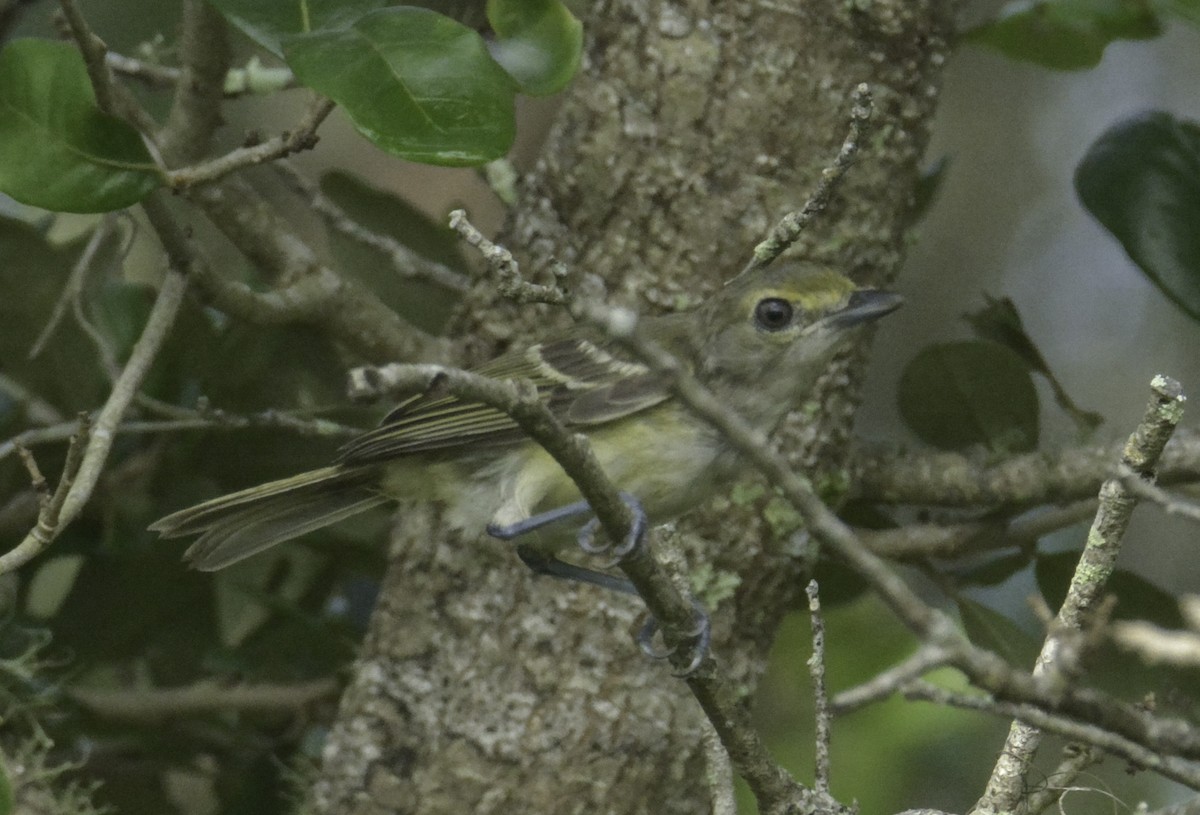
{"type": "Point", "coordinates": [992, 630]}
{"type": "Point", "coordinates": [539, 43]}
{"type": "Point", "coordinates": [58, 150]}
{"type": "Point", "coordinates": [953, 395]}
{"type": "Point", "coordinates": [268, 24]}
{"type": "Point", "coordinates": [1141, 180]}
{"type": "Point", "coordinates": [417, 84]}
{"type": "Point", "coordinates": [1067, 35]}
{"type": "Point", "coordinates": [1137, 597]}
{"type": "Point", "coordinates": [993, 570]}
{"type": "Point", "coordinates": [999, 321]}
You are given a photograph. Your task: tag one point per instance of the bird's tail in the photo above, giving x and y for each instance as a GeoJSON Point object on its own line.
{"type": "Point", "coordinates": [240, 524]}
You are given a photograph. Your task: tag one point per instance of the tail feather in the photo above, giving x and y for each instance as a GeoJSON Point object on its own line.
{"type": "Point", "coordinates": [241, 524]}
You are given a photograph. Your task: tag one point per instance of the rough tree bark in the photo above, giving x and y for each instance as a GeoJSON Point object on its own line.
{"type": "Point", "coordinates": [692, 127]}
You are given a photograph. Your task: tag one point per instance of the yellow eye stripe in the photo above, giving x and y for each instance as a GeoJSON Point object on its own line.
{"type": "Point", "coordinates": [812, 292]}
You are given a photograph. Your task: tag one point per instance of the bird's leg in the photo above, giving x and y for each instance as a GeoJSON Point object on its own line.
{"type": "Point", "coordinates": [587, 533]}
{"type": "Point", "coordinates": [507, 532]}
{"type": "Point", "coordinates": [540, 563]}
{"type": "Point", "coordinates": [700, 636]}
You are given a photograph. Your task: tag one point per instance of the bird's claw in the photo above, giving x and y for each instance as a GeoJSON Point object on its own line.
{"type": "Point", "coordinates": [699, 640]}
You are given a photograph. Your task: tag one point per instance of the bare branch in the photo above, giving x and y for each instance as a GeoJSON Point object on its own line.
{"type": "Point", "coordinates": [1185, 772]}
{"type": "Point", "coordinates": [308, 291]}
{"type": "Point", "coordinates": [1147, 491]}
{"type": "Point", "coordinates": [1055, 664]}
{"type": "Point", "coordinates": [204, 419]}
{"type": "Point", "coordinates": [37, 409]}
{"type": "Point", "coordinates": [50, 518]}
{"type": "Point", "coordinates": [196, 108]}
{"type": "Point", "coordinates": [111, 97]}
{"type": "Point", "coordinates": [917, 541]}
{"type": "Point", "coordinates": [793, 224]}
{"type": "Point", "coordinates": [719, 775]}
{"type": "Point", "coordinates": [302, 137]}
{"type": "Point", "coordinates": [72, 294]}
{"type": "Point", "coordinates": [956, 480]}
{"type": "Point", "coordinates": [1077, 758]}
{"type": "Point", "coordinates": [148, 705]}
{"type": "Point", "coordinates": [505, 267]}
{"type": "Point", "coordinates": [1158, 646]}
{"type": "Point", "coordinates": [892, 680]}
{"type": "Point", "coordinates": [404, 260]}
{"type": "Point", "coordinates": [816, 666]}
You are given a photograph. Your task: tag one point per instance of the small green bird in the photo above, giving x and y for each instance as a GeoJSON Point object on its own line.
{"type": "Point", "coordinates": [760, 344]}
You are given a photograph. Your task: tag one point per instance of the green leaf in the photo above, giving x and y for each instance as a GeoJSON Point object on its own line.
{"type": "Point", "coordinates": [269, 24]}
{"type": "Point", "coordinates": [1137, 597]}
{"type": "Point", "coordinates": [58, 150]}
{"type": "Point", "coordinates": [992, 630]}
{"type": "Point", "coordinates": [993, 570]}
{"type": "Point", "coordinates": [999, 321]}
{"type": "Point", "coordinates": [417, 84]}
{"type": "Point", "coordinates": [957, 394]}
{"type": "Point", "coordinates": [1067, 35]}
{"type": "Point", "coordinates": [1141, 180]}
{"type": "Point", "coordinates": [540, 43]}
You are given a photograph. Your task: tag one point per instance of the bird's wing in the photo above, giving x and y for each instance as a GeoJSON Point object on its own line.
{"type": "Point", "coordinates": [581, 381]}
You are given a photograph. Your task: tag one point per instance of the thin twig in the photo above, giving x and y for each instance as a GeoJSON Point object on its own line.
{"type": "Point", "coordinates": [404, 260]}
{"type": "Point", "coordinates": [1158, 646]}
{"type": "Point", "coordinates": [210, 419]}
{"type": "Point", "coordinates": [1017, 482]}
{"type": "Point", "coordinates": [1056, 664]}
{"type": "Point", "coordinates": [149, 705]}
{"type": "Point", "coordinates": [1148, 491]}
{"type": "Point", "coordinates": [788, 230]}
{"type": "Point", "coordinates": [884, 684]}
{"type": "Point", "coordinates": [73, 290]}
{"type": "Point", "coordinates": [718, 773]}
{"type": "Point", "coordinates": [37, 410]}
{"type": "Point", "coordinates": [1077, 758]}
{"type": "Point", "coordinates": [1176, 769]}
{"type": "Point", "coordinates": [302, 137]}
{"type": "Point", "coordinates": [816, 666]}
{"type": "Point", "coordinates": [505, 267]}
{"type": "Point", "coordinates": [917, 541]}
{"type": "Point", "coordinates": [307, 291]}
{"type": "Point", "coordinates": [111, 97]}
{"type": "Point", "coordinates": [50, 518]}
{"type": "Point", "coordinates": [255, 78]}
{"type": "Point", "coordinates": [77, 489]}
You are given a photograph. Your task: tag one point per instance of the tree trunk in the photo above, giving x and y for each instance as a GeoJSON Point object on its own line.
{"type": "Point", "coordinates": [692, 128]}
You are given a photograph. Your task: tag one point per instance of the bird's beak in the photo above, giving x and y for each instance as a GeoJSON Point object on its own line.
{"type": "Point", "coordinates": [865, 306]}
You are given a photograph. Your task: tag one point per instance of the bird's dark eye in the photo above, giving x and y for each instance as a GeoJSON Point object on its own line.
{"type": "Point", "coordinates": [773, 314]}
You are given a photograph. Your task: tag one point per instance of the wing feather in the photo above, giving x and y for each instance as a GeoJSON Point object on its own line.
{"type": "Point", "coordinates": [581, 381]}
